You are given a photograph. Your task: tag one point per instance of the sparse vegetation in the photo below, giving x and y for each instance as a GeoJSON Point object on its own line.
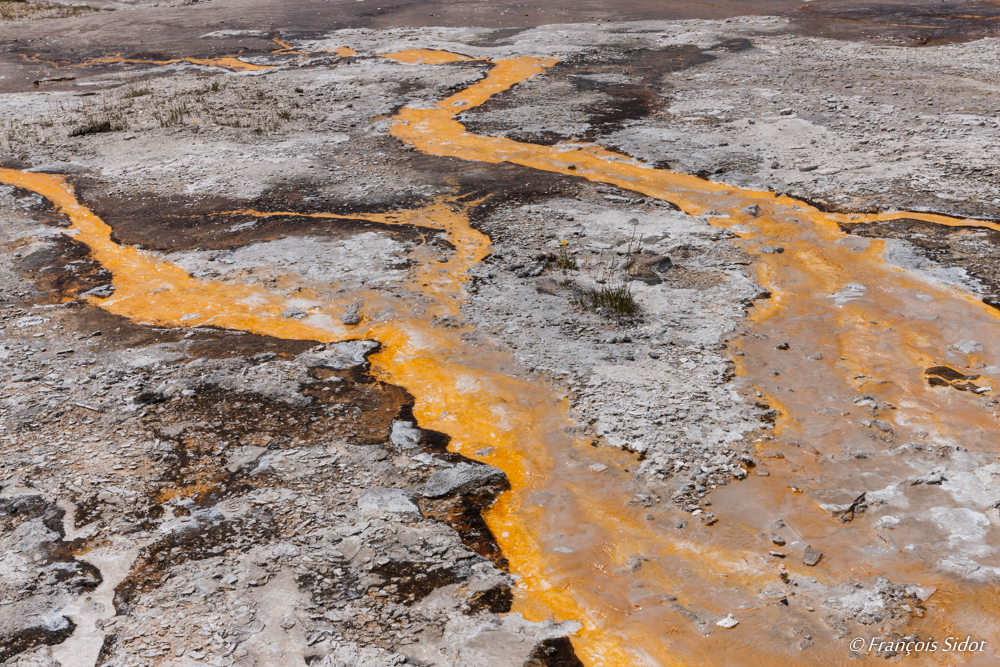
{"type": "Point", "coordinates": [106, 114]}
{"type": "Point", "coordinates": [174, 113]}
{"type": "Point", "coordinates": [565, 260]}
{"type": "Point", "coordinates": [612, 292]}
{"type": "Point", "coordinates": [136, 88]}
{"type": "Point", "coordinates": [140, 102]}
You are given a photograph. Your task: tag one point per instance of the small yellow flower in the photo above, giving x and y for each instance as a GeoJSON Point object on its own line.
{"type": "Point", "coordinates": [563, 242]}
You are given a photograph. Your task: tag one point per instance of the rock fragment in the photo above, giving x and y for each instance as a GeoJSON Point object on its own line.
{"type": "Point", "coordinates": [728, 622]}
{"type": "Point", "coordinates": [463, 478]}
{"type": "Point", "coordinates": [352, 316]}
{"type": "Point", "coordinates": [377, 500]}
{"type": "Point", "coordinates": [339, 356]}
{"type": "Point", "coordinates": [101, 291]}
{"type": "Point", "coordinates": [647, 267]}
{"type": "Point", "coordinates": [811, 556]}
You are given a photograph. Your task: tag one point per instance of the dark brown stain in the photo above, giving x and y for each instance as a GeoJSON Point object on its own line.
{"type": "Point", "coordinates": [197, 543]}
{"type": "Point", "coordinates": [555, 652]}
{"type": "Point", "coordinates": [21, 641]}
{"type": "Point", "coordinates": [221, 344]}
{"type": "Point", "coordinates": [465, 515]}
{"type": "Point", "coordinates": [949, 374]}
{"type": "Point", "coordinates": [497, 600]}
{"type": "Point", "coordinates": [324, 589]}
{"type": "Point", "coordinates": [946, 376]}
{"type": "Point", "coordinates": [64, 268]}
{"type": "Point", "coordinates": [625, 101]}
{"type": "Point", "coordinates": [905, 23]}
{"type": "Point", "coordinates": [21, 509]}
{"type": "Point", "coordinates": [107, 647]}
{"type": "Point", "coordinates": [87, 510]}
{"type": "Point", "coordinates": [408, 583]}
{"type": "Point", "coordinates": [177, 223]}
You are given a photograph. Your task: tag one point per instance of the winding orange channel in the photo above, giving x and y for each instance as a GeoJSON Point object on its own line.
{"type": "Point", "coordinates": [474, 395]}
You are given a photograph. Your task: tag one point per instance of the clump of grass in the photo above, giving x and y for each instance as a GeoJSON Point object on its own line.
{"type": "Point", "coordinates": [565, 260]}
{"type": "Point", "coordinates": [258, 112]}
{"type": "Point", "coordinates": [612, 292]}
{"type": "Point", "coordinates": [108, 114]}
{"type": "Point", "coordinates": [136, 88]}
{"type": "Point", "coordinates": [174, 114]}
{"type": "Point", "coordinates": [266, 124]}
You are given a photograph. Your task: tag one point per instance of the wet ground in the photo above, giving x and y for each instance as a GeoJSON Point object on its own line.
{"type": "Point", "coordinates": [198, 30]}
{"type": "Point", "coordinates": [306, 365]}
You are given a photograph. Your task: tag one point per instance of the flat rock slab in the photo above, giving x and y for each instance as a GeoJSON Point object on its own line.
{"type": "Point", "coordinates": [340, 356]}
{"type": "Point", "coordinates": [377, 500]}
{"type": "Point", "coordinates": [463, 478]}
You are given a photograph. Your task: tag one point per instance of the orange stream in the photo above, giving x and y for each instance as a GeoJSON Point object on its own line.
{"type": "Point", "coordinates": [473, 395]}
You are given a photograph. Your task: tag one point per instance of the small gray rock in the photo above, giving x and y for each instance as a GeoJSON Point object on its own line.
{"type": "Point", "coordinates": [463, 478]}
{"type": "Point", "coordinates": [352, 316]}
{"type": "Point", "coordinates": [778, 539]}
{"type": "Point", "coordinates": [968, 346]}
{"type": "Point", "coordinates": [811, 557]}
{"type": "Point", "coordinates": [752, 209]}
{"type": "Point", "coordinates": [101, 291]}
{"type": "Point", "coordinates": [647, 267]}
{"type": "Point", "coordinates": [338, 356]}
{"type": "Point", "coordinates": [293, 313]}
{"type": "Point", "coordinates": [404, 435]}
{"type": "Point", "coordinates": [885, 427]}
